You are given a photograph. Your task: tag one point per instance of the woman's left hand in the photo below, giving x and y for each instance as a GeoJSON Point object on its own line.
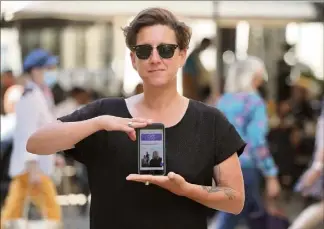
{"type": "Point", "coordinates": [172, 182]}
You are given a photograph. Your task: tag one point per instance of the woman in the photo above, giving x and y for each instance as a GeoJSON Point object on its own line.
{"type": "Point", "coordinates": [312, 184]}
{"type": "Point", "coordinates": [200, 142]}
{"type": "Point", "coordinates": [247, 112]}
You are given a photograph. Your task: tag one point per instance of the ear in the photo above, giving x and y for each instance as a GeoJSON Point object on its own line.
{"type": "Point", "coordinates": [133, 59]}
{"type": "Point", "coordinates": [183, 57]}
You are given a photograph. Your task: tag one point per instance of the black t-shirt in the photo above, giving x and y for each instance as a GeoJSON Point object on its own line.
{"type": "Point", "coordinates": [201, 140]}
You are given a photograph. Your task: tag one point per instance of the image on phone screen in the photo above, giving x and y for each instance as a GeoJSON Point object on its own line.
{"type": "Point", "coordinates": [151, 148]}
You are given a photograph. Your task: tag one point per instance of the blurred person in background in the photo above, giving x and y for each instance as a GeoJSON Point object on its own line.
{"type": "Point", "coordinates": [102, 135]}
{"type": "Point", "coordinates": [59, 94]}
{"type": "Point", "coordinates": [78, 97]}
{"type": "Point", "coordinates": [293, 131]}
{"type": "Point", "coordinates": [139, 89]}
{"type": "Point", "coordinates": [312, 183]}
{"type": "Point", "coordinates": [284, 70]}
{"type": "Point", "coordinates": [195, 77]}
{"type": "Point", "coordinates": [31, 173]}
{"type": "Point", "coordinates": [7, 80]}
{"type": "Point", "coordinates": [8, 120]}
{"type": "Point", "coordinates": [8, 123]}
{"type": "Point", "coordinates": [301, 110]}
{"type": "Point", "coordinates": [246, 110]}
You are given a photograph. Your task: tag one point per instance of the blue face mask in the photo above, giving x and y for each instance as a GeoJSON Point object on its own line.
{"type": "Point", "coordinates": [50, 78]}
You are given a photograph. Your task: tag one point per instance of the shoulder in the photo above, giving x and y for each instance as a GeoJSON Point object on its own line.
{"type": "Point", "coordinates": [111, 105]}
{"type": "Point", "coordinates": [29, 90]}
{"type": "Point", "coordinates": [31, 95]}
{"type": "Point", "coordinates": [255, 99]}
{"type": "Point", "coordinates": [101, 107]}
{"type": "Point", "coordinates": [208, 112]}
{"type": "Point", "coordinates": [32, 92]}
{"type": "Point", "coordinates": [108, 101]}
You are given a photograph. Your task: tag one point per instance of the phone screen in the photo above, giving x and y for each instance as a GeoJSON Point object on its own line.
{"type": "Point", "coordinates": [151, 155]}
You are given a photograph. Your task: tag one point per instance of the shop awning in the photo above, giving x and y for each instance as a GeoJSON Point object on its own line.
{"type": "Point", "coordinates": [238, 10]}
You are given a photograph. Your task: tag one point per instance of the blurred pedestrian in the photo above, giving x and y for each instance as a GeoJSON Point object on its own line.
{"type": "Point", "coordinates": [312, 184]}
{"type": "Point", "coordinates": [139, 88]}
{"type": "Point", "coordinates": [247, 112]}
{"type": "Point", "coordinates": [195, 77]}
{"type": "Point", "coordinates": [31, 173]}
{"type": "Point", "coordinates": [7, 80]}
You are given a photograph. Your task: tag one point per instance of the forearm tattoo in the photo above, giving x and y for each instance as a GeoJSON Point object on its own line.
{"type": "Point", "coordinates": [230, 193]}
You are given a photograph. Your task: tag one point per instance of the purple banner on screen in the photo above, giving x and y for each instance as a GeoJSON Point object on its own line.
{"type": "Point", "coordinates": [151, 137]}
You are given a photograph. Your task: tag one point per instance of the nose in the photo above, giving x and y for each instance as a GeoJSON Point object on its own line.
{"type": "Point", "coordinates": [155, 57]}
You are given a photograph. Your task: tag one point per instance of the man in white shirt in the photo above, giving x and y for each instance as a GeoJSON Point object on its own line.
{"type": "Point", "coordinates": [31, 173]}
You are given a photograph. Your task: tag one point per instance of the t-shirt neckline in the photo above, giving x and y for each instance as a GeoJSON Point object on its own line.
{"type": "Point", "coordinates": [167, 128]}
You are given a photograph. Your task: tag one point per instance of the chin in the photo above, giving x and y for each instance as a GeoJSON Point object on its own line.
{"type": "Point", "coordinates": [158, 81]}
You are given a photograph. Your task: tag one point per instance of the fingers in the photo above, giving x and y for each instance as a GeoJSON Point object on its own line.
{"type": "Point", "coordinates": [158, 180]}
{"type": "Point", "coordinates": [143, 178]}
{"type": "Point", "coordinates": [141, 120]}
{"type": "Point", "coordinates": [136, 122]}
{"type": "Point", "coordinates": [132, 135]}
{"type": "Point", "coordinates": [126, 129]}
{"type": "Point", "coordinates": [136, 125]}
{"type": "Point", "coordinates": [140, 178]}
{"type": "Point", "coordinates": [129, 126]}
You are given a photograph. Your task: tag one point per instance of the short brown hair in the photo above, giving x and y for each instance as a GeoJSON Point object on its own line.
{"type": "Point", "coordinates": [157, 16]}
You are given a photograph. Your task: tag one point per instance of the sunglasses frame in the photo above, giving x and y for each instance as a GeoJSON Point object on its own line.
{"type": "Point", "coordinates": [135, 48]}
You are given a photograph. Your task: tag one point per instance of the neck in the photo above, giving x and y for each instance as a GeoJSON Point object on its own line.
{"type": "Point", "coordinates": [159, 98]}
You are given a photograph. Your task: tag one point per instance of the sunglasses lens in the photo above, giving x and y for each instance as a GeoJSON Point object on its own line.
{"type": "Point", "coordinates": [166, 51]}
{"type": "Point", "coordinates": [143, 52]}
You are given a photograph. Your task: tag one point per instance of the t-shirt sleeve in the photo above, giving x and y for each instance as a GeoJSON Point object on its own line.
{"type": "Point", "coordinates": [228, 140]}
{"type": "Point", "coordinates": [84, 150]}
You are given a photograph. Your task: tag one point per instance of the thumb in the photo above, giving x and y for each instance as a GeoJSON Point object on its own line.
{"type": "Point", "coordinates": [132, 135]}
{"type": "Point", "coordinates": [175, 177]}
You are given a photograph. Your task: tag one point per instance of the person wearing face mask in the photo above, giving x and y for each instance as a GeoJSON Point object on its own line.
{"type": "Point", "coordinates": [31, 173]}
{"type": "Point", "coordinates": [247, 112]}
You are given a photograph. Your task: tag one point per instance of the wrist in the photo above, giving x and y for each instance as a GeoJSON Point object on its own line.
{"type": "Point", "coordinates": [97, 123]}
{"type": "Point", "coordinates": [190, 191]}
{"type": "Point", "coordinates": [271, 178]}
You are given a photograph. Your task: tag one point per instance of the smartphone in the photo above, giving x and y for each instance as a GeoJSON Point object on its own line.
{"type": "Point", "coordinates": [151, 149]}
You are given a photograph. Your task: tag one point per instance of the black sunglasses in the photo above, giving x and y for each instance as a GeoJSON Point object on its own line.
{"type": "Point", "coordinates": [165, 51]}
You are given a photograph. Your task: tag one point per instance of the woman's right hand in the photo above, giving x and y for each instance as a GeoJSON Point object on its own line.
{"type": "Point", "coordinates": [127, 125]}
